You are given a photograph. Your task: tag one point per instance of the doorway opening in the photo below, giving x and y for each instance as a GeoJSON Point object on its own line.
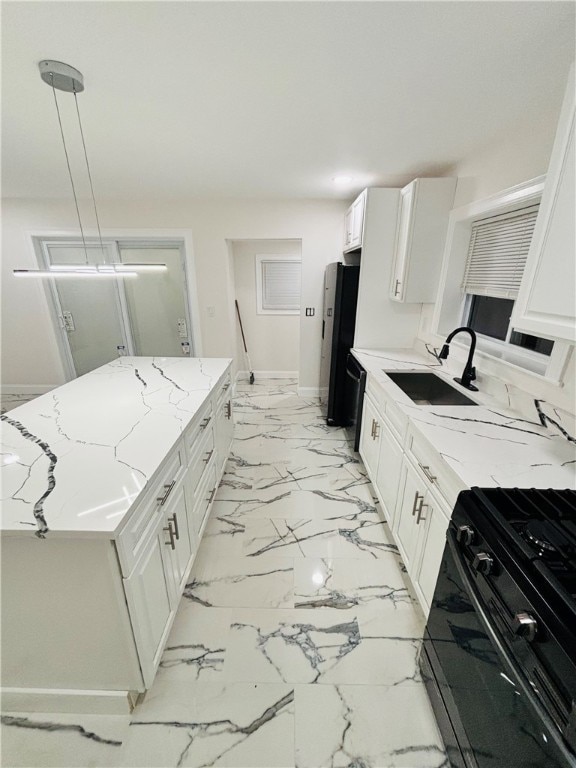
{"type": "Point", "coordinates": [266, 276]}
{"type": "Point", "coordinates": [99, 320]}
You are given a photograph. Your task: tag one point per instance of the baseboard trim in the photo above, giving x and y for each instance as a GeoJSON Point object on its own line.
{"type": "Point", "coordinates": [309, 391]}
{"type": "Point", "coordinates": [242, 375]}
{"type": "Point", "coordinates": [27, 389]}
{"type": "Point", "coordinates": [67, 700]}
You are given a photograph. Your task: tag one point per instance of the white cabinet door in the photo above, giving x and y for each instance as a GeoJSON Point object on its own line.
{"type": "Point", "coordinates": [410, 516]}
{"type": "Point", "coordinates": [388, 474]}
{"type": "Point", "coordinates": [432, 549]}
{"type": "Point", "coordinates": [354, 223]}
{"type": "Point", "coordinates": [402, 236]}
{"type": "Point", "coordinates": [176, 516]}
{"type": "Point", "coordinates": [150, 592]}
{"type": "Point", "coordinates": [546, 303]}
{"type": "Point", "coordinates": [420, 238]}
{"type": "Point", "coordinates": [369, 437]}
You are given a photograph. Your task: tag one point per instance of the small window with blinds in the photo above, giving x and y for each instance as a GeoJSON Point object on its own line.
{"type": "Point", "coordinates": [497, 255]}
{"type": "Point", "coordinates": [278, 285]}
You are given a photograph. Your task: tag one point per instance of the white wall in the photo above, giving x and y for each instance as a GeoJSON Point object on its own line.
{"type": "Point", "coordinates": [516, 157]}
{"type": "Point", "coordinates": [273, 341]}
{"type": "Point", "coordinates": [29, 350]}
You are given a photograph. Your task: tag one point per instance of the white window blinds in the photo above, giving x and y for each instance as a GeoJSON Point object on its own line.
{"type": "Point", "coordinates": [497, 253]}
{"type": "Point", "coordinates": [280, 284]}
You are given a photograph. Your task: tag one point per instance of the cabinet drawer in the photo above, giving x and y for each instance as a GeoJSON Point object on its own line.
{"type": "Point", "coordinates": [195, 432]}
{"type": "Point", "coordinates": [140, 526]}
{"type": "Point", "coordinates": [223, 389]}
{"type": "Point", "coordinates": [397, 420]}
{"type": "Point", "coordinates": [201, 457]}
{"type": "Point", "coordinates": [437, 473]}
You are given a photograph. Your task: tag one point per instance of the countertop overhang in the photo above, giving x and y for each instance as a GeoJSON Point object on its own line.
{"type": "Point", "coordinates": [81, 455]}
{"type": "Point", "coordinates": [486, 445]}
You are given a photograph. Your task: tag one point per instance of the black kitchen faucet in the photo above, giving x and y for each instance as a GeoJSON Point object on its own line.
{"type": "Point", "coordinates": [469, 372]}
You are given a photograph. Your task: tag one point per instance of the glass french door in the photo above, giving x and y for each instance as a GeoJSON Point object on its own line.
{"type": "Point", "coordinates": [100, 319]}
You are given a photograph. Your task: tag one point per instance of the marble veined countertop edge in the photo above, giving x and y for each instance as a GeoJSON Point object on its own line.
{"type": "Point", "coordinates": [485, 445]}
{"type": "Point", "coordinates": [78, 459]}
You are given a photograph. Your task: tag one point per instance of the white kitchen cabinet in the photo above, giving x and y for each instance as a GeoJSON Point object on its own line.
{"type": "Point", "coordinates": [411, 516]}
{"type": "Point", "coordinates": [433, 542]}
{"type": "Point", "coordinates": [151, 597]}
{"type": "Point", "coordinates": [369, 437]}
{"type": "Point", "coordinates": [388, 472]}
{"type": "Point", "coordinates": [421, 228]}
{"type": "Point", "coordinates": [546, 303]}
{"type": "Point", "coordinates": [224, 424]}
{"type": "Point", "coordinates": [354, 223]}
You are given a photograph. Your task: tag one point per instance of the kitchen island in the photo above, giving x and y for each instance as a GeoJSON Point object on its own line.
{"type": "Point", "coordinates": [107, 483]}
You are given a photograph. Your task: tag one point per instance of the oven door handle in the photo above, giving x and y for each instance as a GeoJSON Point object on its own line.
{"type": "Point", "coordinates": [513, 670]}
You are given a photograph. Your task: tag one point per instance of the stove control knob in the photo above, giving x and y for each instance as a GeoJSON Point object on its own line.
{"type": "Point", "coordinates": [465, 535]}
{"type": "Point", "coordinates": [483, 563]}
{"type": "Point", "coordinates": [525, 625]}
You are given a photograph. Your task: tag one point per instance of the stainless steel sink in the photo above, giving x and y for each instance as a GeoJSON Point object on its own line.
{"type": "Point", "coordinates": [428, 389]}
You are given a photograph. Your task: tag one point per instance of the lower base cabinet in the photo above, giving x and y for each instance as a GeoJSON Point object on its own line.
{"type": "Point", "coordinates": [100, 609]}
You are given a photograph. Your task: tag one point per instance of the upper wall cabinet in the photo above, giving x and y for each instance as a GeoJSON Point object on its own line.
{"type": "Point", "coordinates": [420, 235]}
{"type": "Point", "coordinates": [546, 303]}
{"type": "Point", "coordinates": [354, 223]}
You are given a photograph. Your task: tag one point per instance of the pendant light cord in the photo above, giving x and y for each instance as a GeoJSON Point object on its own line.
{"type": "Point", "coordinates": [89, 176]}
{"type": "Point", "coordinates": [70, 172]}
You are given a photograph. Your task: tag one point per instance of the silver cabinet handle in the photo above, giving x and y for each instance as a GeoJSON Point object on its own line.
{"type": "Point", "coordinates": [415, 508]}
{"type": "Point", "coordinates": [170, 543]}
{"type": "Point", "coordinates": [212, 492]}
{"type": "Point", "coordinates": [372, 430]}
{"type": "Point", "coordinates": [420, 518]}
{"type": "Point", "coordinates": [426, 469]}
{"type": "Point", "coordinates": [396, 291]}
{"type": "Point", "coordinates": [208, 456]}
{"type": "Point", "coordinates": [168, 488]}
{"type": "Point", "coordinates": [174, 519]}
{"type": "Point", "coordinates": [228, 410]}
{"type": "Point", "coordinates": [205, 422]}
{"type": "Point", "coordinates": [376, 429]}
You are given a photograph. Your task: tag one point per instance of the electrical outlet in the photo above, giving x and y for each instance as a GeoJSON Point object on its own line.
{"type": "Point", "coordinates": [310, 311]}
{"type": "Point", "coordinates": [182, 331]}
{"type": "Point", "coordinates": [211, 311]}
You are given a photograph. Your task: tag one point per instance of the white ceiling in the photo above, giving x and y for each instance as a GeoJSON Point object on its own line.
{"type": "Point", "coordinates": [273, 98]}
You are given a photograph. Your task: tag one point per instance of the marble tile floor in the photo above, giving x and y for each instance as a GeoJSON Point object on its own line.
{"type": "Point", "coordinates": [7, 402]}
{"type": "Point", "coordinates": [296, 641]}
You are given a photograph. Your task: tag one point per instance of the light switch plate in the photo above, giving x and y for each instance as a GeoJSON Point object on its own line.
{"type": "Point", "coordinates": [182, 330]}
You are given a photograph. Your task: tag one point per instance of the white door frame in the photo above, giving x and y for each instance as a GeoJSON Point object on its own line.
{"type": "Point", "coordinates": [154, 238]}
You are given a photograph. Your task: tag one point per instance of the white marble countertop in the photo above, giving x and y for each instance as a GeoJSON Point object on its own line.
{"type": "Point", "coordinates": [485, 445]}
{"type": "Point", "coordinates": [77, 458]}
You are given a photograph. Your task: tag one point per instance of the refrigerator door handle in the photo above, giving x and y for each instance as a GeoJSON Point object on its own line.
{"type": "Point", "coordinates": [323, 327]}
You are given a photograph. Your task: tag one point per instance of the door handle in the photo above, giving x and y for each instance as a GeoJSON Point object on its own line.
{"type": "Point", "coordinates": [174, 519]}
{"type": "Point", "coordinates": [170, 543]}
{"type": "Point", "coordinates": [396, 291]}
{"type": "Point", "coordinates": [212, 492]}
{"type": "Point", "coordinates": [419, 517]}
{"type": "Point", "coordinates": [168, 488]}
{"type": "Point", "coordinates": [228, 410]}
{"type": "Point", "coordinates": [415, 507]}
{"type": "Point", "coordinates": [205, 422]}
{"type": "Point", "coordinates": [208, 456]}
{"type": "Point", "coordinates": [323, 327]}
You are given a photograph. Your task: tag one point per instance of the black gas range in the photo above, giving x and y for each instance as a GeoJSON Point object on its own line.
{"type": "Point", "coordinates": [499, 655]}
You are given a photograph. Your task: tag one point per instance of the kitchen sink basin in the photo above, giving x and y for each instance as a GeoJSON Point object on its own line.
{"type": "Point", "coordinates": [428, 389]}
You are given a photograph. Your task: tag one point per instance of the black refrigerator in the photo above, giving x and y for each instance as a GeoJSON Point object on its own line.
{"type": "Point", "coordinates": [339, 321]}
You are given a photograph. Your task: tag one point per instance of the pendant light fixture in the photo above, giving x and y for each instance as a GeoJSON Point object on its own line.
{"type": "Point", "coordinates": [63, 77]}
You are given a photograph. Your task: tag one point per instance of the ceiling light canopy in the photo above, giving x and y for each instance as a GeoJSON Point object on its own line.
{"type": "Point", "coordinates": [63, 77]}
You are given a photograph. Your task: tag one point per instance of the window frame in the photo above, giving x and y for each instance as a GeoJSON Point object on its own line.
{"type": "Point", "coordinates": [259, 260]}
{"type": "Point", "coordinates": [452, 305]}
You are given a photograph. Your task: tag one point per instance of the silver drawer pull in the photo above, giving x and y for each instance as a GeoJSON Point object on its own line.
{"type": "Point", "coordinates": [396, 291]}
{"type": "Point", "coordinates": [426, 469]}
{"type": "Point", "coordinates": [228, 410]}
{"type": "Point", "coordinates": [204, 423]}
{"type": "Point", "coordinates": [208, 456]}
{"type": "Point", "coordinates": [174, 519]}
{"type": "Point", "coordinates": [415, 507]}
{"type": "Point", "coordinates": [168, 488]}
{"type": "Point", "coordinates": [376, 429]}
{"type": "Point", "coordinates": [212, 492]}
{"type": "Point", "coordinates": [420, 518]}
{"type": "Point", "coordinates": [170, 543]}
